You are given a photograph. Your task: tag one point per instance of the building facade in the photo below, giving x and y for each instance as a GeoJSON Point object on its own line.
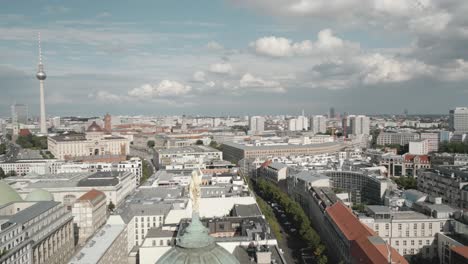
{"type": "Point", "coordinates": [89, 213]}
{"type": "Point", "coordinates": [36, 232]}
{"type": "Point", "coordinates": [95, 142]}
{"type": "Point", "coordinates": [419, 147]}
{"type": "Point", "coordinates": [458, 119]}
{"type": "Point", "coordinates": [318, 124]}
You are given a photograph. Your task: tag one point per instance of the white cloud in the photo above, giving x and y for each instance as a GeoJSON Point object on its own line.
{"type": "Point", "coordinates": [199, 76]}
{"type": "Point", "coordinates": [213, 45]}
{"type": "Point", "coordinates": [107, 97]}
{"type": "Point", "coordinates": [165, 88]}
{"type": "Point", "coordinates": [283, 47]}
{"type": "Point", "coordinates": [210, 84]}
{"type": "Point", "coordinates": [432, 23]}
{"type": "Point", "coordinates": [258, 84]}
{"type": "Point", "coordinates": [377, 68]}
{"type": "Point", "coordinates": [221, 68]}
{"type": "Point", "coordinates": [273, 46]}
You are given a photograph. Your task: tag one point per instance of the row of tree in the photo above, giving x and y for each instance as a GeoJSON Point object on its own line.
{"type": "Point", "coordinates": [297, 216]}
{"type": "Point", "coordinates": [4, 175]}
{"type": "Point", "coordinates": [32, 142]}
{"type": "Point", "coordinates": [3, 149]}
{"type": "Point", "coordinates": [453, 147]}
{"type": "Point", "coordinates": [406, 182]}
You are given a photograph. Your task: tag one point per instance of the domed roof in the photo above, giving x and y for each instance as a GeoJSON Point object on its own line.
{"type": "Point", "coordinates": [8, 194]}
{"type": "Point", "coordinates": [94, 127]}
{"type": "Point", "coordinates": [39, 195]}
{"type": "Point", "coordinates": [196, 246]}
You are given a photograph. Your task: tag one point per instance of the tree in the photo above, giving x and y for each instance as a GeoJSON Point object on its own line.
{"type": "Point", "coordinates": [150, 144]}
{"type": "Point", "coordinates": [199, 142]}
{"type": "Point", "coordinates": [2, 173]}
{"type": "Point", "coordinates": [111, 206]}
{"type": "Point", "coordinates": [12, 173]}
{"type": "Point", "coordinates": [2, 149]}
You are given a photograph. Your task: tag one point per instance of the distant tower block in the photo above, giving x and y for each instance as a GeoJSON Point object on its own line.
{"type": "Point", "coordinates": [41, 76]}
{"type": "Point", "coordinates": [108, 123]}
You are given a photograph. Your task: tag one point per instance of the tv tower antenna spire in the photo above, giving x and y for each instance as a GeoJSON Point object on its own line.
{"type": "Point", "coordinates": [41, 76]}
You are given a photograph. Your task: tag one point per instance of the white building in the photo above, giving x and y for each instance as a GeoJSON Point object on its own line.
{"type": "Point", "coordinates": [256, 124]}
{"type": "Point", "coordinates": [318, 124]}
{"type": "Point", "coordinates": [67, 187]}
{"type": "Point", "coordinates": [419, 147]}
{"type": "Point", "coordinates": [95, 142]}
{"type": "Point", "coordinates": [300, 123]}
{"type": "Point", "coordinates": [458, 119]}
{"type": "Point", "coordinates": [360, 125]}
{"type": "Point", "coordinates": [409, 232]}
{"type": "Point", "coordinates": [186, 155]}
{"type": "Point", "coordinates": [432, 141]}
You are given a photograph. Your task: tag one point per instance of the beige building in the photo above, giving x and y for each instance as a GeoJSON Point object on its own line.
{"type": "Point", "coordinates": [108, 246]}
{"type": "Point", "coordinates": [89, 213]}
{"type": "Point", "coordinates": [95, 142]}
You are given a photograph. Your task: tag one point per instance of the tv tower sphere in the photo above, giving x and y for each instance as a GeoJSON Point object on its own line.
{"type": "Point", "coordinates": [41, 75]}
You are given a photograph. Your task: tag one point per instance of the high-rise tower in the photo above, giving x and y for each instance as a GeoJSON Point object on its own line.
{"type": "Point", "coordinates": [41, 76]}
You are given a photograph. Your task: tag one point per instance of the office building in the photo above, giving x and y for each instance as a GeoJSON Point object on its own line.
{"type": "Point", "coordinates": [68, 187]}
{"type": "Point", "coordinates": [19, 114]}
{"type": "Point", "coordinates": [35, 232]}
{"type": "Point", "coordinates": [419, 147]}
{"type": "Point", "coordinates": [234, 151]}
{"type": "Point", "coordinates": [447, 182]}
{"type": "Point", "coordinates": [360, 124]}
{"type": "Point", "coordinates": [392, 138]}
{"type": "Point", "coordinates": [198, 155]}
{"type": "Point", "coordinates": [458, 120]}
{"type": "Point", "coordinates": [433, 140]}
{"type": "Point", "coordinates": [318, 124]}
{"type": "Point", "coordinates": [256, 124]}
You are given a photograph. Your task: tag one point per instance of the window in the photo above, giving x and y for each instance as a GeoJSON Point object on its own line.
{"type": "Point", "coordinates": [154, 243]}
{"type": "Point", "coordinates": [387, 226]}
{"type": "Point", "coordinates": [399, 226]}
{"type": "Point", "coordinates": [377, 227]}
{"type": "Point", "coordinates": [412, 242]}
{"type": "Point", "coordinates": [397, 243]}
{"type": "Point", "coordinates": [420, 242]}
{"type": "Point", "coordinates": [160, 242]}
{"type": "Point", "coordinates": [404, 243]}
{"type": "Point", "coordinates": [430, 225]}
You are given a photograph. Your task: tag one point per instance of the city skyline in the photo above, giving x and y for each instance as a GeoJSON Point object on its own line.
{"type": "Point", "coordinates": [236, 57]}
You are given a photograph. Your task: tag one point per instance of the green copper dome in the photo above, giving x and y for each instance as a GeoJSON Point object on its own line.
{"type": "Point", "coordinates": [196, 246]}
{"type": "Point", "coordinates": [39, 195]}
{"type": "Point", "coordinates": [8, 194]}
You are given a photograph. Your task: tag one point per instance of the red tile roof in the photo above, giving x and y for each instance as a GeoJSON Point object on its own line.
{"type": "Point", "coordinates": [24, 132]}
{"type": "Point", "coordinates": [266, 163]}
{"type": "Point", "coordinates": [366, 246]}
{"type": "Point", "coordinates": [93, 196]}
{"type": "Point", "coordinates": [461, 250]}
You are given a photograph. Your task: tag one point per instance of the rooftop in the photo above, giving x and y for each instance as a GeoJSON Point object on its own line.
{"type": "Point", "coordinates": [93, 251]}
{"type": "Point", "coordinates": [189, 149]}
{"type": "Point", "coordinates": [286, 146]}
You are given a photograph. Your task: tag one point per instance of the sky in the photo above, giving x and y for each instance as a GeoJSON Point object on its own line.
{"type": "Point", "coordinates": [235, 57]}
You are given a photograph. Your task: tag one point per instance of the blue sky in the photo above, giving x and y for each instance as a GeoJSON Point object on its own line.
{"type": "Point", "coordinates": [235, 56]}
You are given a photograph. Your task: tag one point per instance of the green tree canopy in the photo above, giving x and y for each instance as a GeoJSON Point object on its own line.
{"type": "Point", "coordinates": [150, 144]}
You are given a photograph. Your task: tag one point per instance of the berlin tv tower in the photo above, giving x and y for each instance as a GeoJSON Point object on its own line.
{"type": "Point", "coordinates": [41, 76]}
